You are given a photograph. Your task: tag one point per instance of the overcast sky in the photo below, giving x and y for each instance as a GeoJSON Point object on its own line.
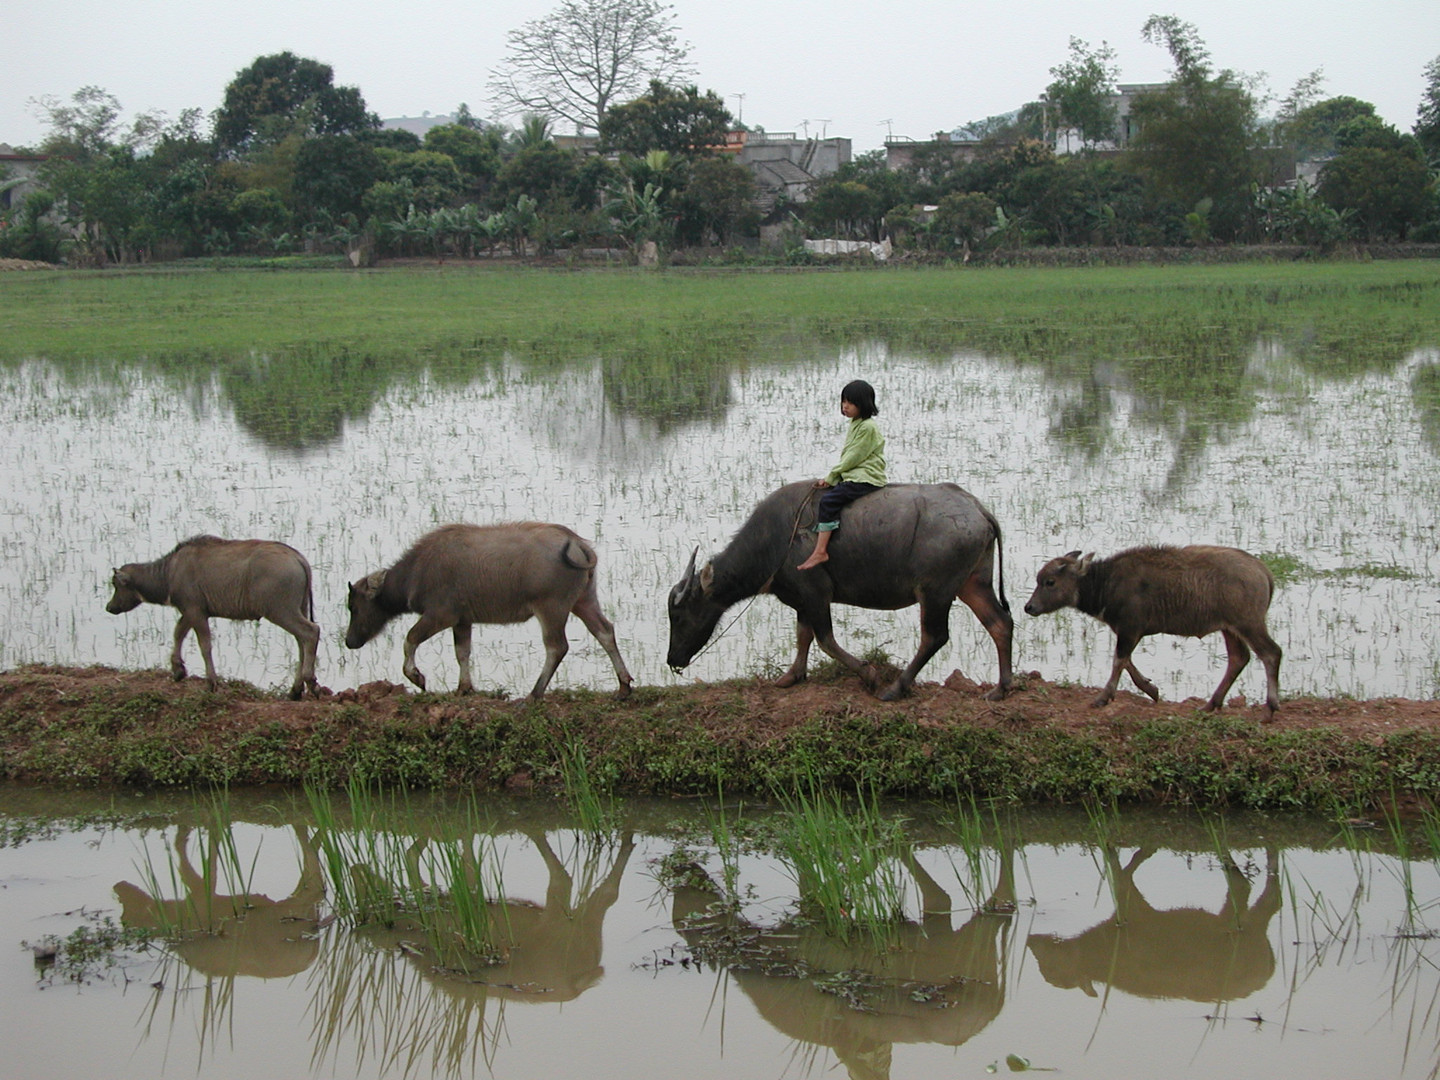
{"type": "Point", "coordinates": [839, 67]}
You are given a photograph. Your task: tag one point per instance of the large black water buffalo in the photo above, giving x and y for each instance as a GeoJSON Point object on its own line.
{"type": "Point", "coordinates": [459, 575]}
{"type": "Point", "coordinates": [904, 544]}
{"type": "Point", "coordinates": [206, 577]}
{"type": "Point", "coordinates": [1189, 591]}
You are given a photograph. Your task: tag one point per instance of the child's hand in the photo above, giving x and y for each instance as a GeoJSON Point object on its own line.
{"type": "Point", "coordinates": [822, 483]}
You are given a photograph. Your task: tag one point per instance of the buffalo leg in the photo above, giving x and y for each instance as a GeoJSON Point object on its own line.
{"type": "Point", "coordinates": [552, 630]}
{"type": "Point", "coordinates": [1146, 686]}
{"type": "Point", "coordinates": [202, 635]}
{"type": "Point", "coordinates": [603, 631]}
{"type": "Point", "coordinates": [1237, 655]}
{"type": "Point", "coordinates": [1124, 646]}
{"type": "Point", "coordinates": [307, 635]}
{"type": "Point", "coordinates": [934, 633]}
{"type": "Point", "coordinates": [1270, 655]}
{"type": "Point", "coordinates": [799, 667]}
{"type": "Point", "coordinates": [462, 635]}
{"type": "Point", "coordinates": [979, 596]}
{"type": "Point", "coordinates": [177, 654]}
{"type": "Point", "coordinates": [824, 633]}
{"type": "Point", "coordinates": [426, 627]}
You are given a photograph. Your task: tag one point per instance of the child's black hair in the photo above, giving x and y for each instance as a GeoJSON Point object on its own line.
{"type": "Point", "coordinates": [862, 395]}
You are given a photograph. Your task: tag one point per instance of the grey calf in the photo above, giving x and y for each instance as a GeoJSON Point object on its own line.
{"type": "Point", "coordinates": [459, 575]}
{"type": "Point", "coordinates": [206, 577]}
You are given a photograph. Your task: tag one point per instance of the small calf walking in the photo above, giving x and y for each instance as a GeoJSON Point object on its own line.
{"type": "Point", "coordinates": [1186, 591]}
{"type": "Point", "coordinates": [459, 575]}
{"type": "Point", "coordinates": [206, 577]}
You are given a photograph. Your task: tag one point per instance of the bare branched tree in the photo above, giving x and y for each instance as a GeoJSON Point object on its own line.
{"type": "Point", "coordinates": [587, 55]}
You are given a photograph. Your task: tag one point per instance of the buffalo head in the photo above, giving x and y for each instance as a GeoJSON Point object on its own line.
{"type": "Point", "coordinates": [1057, 585]}
{"type": "Point", "coordinates": [367, 616]}
{"type": "Point", "coordinates": [693, 614]}
{"type": "Point", "coordinates": [126, 596]}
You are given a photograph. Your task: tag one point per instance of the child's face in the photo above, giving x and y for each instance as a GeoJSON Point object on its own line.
{"type": "Point", "coordinates": [849, 409]}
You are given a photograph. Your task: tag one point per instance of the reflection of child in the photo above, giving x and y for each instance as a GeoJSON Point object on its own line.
{"type": "Point", "coordinates": [860, 471]}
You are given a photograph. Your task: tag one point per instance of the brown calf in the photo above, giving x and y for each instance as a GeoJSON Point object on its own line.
{"type": "Point", "coordinates": [1187, 591]}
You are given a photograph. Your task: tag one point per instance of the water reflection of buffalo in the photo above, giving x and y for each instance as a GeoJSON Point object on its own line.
{"type": "Point", "coordinates": [549, 952]}
{"type": "Point", "coordinates": [242, 934]}
{"type": "Point", "coordinates": [1186, 953]}
{"type": "Point", "coordinates": [904, 544]}
{"type": "Point", "coordinates": [931, 982]}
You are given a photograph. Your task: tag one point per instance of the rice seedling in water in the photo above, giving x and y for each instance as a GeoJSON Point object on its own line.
{"type": "Point", "coordinates": [979, 874]}
{"type": "Point", "coordinates": [595, 808]}
{"type": "Point", "coordinates": [391, 866]}
{"type": "Point", "coordinates": [727, 845]}
{"type": "Point", "coordinates": [845, 861]}
{"type": "Point", "coordinates": [367, 865]}
{"type": "Point", "coordinates": [197, 881]}
{"type": "Point", "coordinates": [1104, 822]}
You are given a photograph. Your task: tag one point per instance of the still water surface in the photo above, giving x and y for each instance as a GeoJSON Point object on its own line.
{"type": "Point", "coordinates": [1137, 953]}
{"type": "Point", "coordinates": [116, 463]}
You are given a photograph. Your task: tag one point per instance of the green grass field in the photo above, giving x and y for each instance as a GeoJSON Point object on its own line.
{"type": "Point", "coordinates": [390, 314]}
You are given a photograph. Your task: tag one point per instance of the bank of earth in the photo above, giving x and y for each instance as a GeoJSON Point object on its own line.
{"type": "Point", "coordinates": [1043, 743]}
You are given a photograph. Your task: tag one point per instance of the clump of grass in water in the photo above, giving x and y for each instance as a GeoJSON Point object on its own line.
{"type": "Point", "coordinates": [96, 946]}
{"type": "Point", "coordinates": [845, 861]}
{"type": "Point", "coordinates": [978, 877]}
{"type": "Point", "coordinates": [727, 845]}
{"type": "Point", "coordinates": [385, 869]}
{"type": "Point", "coordinates": [595, 808]}
{"type": "Point", "coordinates": [1104, 819]}
{"type": "Point", "coordinates": [221, 871]}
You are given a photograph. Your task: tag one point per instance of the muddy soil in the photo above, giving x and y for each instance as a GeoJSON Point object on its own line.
{"type": "Point", "coordinates": [754, 710]}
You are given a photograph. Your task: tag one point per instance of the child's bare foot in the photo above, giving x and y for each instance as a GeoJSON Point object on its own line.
{"type": "Point", "coordinates": [815, 559]}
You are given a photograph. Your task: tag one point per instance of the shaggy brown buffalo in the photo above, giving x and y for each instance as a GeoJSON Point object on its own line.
{"type": "Point", "coordinates": [902, 544]}
{"type": "Point", "coordinates": [206, 577]}
{"type": "Point", "coordinates": [1187, 591]}
{"type": "Point", "coordinates": [459, 575]}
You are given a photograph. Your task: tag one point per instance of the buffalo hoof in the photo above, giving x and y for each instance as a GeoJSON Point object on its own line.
{"type": "Point", "coordinates": [623, 692]}
{"type": "Point", "coordinates": [789, 679]}
{"type": "Point", "coordinates": [1101, 701]}
{"type": "Point", "coordinates": [894, 692]}
{"type": "Point", "coordinates": [997, 693]}
{"type": "Point", "coordinates": [177, 672]}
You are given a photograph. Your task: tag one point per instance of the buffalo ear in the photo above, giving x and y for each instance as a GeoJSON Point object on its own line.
{"type": "Point", "coordinates": [1083, 567]}
{"type": "Point", "coordinates": [369, 587]}
{"type": "Point", "coordinates": [1072, 554]}
{"type": "Point", "coordinates": [707, 578]}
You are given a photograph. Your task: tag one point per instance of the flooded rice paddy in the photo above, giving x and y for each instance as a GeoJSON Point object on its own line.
{"type": "Point", "coordinates": [1153, 945]}
{"type": "Point", "coordinates": [1330, 474]}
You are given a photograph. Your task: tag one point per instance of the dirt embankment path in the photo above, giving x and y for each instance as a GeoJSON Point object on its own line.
{"type": "Point", "coordinates": [1043, 742]}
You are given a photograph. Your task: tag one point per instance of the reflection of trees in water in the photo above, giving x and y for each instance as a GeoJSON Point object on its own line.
{"type": "Point", "coordinates": [926, 982]}
{"type": "Point", "coordinates": [1425, 392]}
{"type": "Point", "coordinates": [301, 400]}
{"type": "Point", "coordinates": [670, 389]}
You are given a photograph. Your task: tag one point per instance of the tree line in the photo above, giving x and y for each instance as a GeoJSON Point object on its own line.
{"type": "Point", "coordinates": [292, 162]}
